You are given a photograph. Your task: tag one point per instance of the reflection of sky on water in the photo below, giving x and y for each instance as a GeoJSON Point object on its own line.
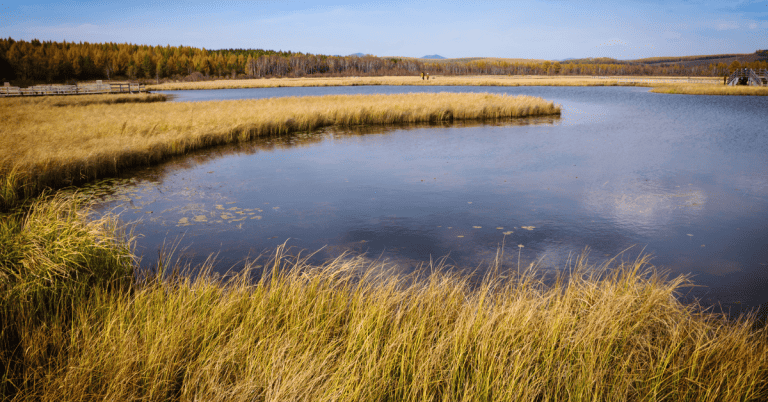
{"type": "Point", "coordinates": [682, 177]}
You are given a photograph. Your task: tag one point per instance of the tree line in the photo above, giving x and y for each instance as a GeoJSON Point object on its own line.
{"type": "Point", "coordinates": [48, 61]}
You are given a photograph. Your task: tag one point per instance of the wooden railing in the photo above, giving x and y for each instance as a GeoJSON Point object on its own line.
{"type": "Point", "coordinates": [748, 76]}
{"type": "Point", "coordinates": [762, 75]}
{"type": "Point", "coordinates": [98, 88]}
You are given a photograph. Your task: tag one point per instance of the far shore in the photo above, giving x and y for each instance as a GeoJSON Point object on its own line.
{"type": "Point", "coordinates": [669, 85]}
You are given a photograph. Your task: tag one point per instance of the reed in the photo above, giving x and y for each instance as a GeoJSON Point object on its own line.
{"type": "Point", "coordinates": [44, 146]}
{"type": "Point", "coordinates": [53, 256]}
{"type": "Point", "coordinates": [354, 329]}
{"type": "Point", "coordinates": [484, 80]}
{"type": "Point", "coordinates": [710, 89]}
{"type": "Point", "coordinates": [82, 100]}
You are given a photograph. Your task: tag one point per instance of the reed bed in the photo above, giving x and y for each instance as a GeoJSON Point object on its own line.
{"type": "Point", "coordinates": [484, 80]}
{"type": "Point", "coordinates": [82, 100]}
{"type": "Point", "coordinates": [710, 89]}
{"type": "Point", "coordinates": [43, 146]}
{"type": "Point", "coordinates": [353, 329]}
{"type": "Point", "coordinates": [713, 88]}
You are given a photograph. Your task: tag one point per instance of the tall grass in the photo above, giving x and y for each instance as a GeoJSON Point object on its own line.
{"type": "Point", "coordinates": [353, 329]}
{"type": "Point", "coordinates": [483, 80]}
{"type": "Point", "coordinates": [44, 146]}
{"type": "Point", "coordinates": [710, 89]}
{"type": "Point", "coordinates": [510, 81]}
{"type": "Point", "coordinates": [83, 100]}
{"type": "Point", "coordinates": [52, 257]}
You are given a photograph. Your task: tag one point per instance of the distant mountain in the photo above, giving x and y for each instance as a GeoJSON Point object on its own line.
{"type": "Point", "coordinates": [433, 56]}
{"type": "Point", "coordinates": [358, 54]}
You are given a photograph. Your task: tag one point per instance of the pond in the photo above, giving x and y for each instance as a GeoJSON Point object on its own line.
{"type": "Point", "coordinates": [683, 178]}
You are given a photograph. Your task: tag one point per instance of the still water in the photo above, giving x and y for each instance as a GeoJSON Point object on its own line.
{"type": "Point", "coordinates": [684, 178]}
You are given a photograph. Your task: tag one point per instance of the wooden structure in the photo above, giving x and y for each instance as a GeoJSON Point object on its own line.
{"type": "Point", "coordinates": [748, 76]}
{"type": "Point", "coordinates": [79, 89]}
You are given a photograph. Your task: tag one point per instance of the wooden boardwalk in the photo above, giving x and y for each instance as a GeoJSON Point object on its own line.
{"type": "Point", "coordinates": [748, 76]}
{"type": "Point", "coordinates": [80, 89]}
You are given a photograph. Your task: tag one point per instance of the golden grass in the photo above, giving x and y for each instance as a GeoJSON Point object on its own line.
{"type": "Point", "coordinates": [485, 80]}
{"type": "Point", "coordinates": [45, 146]}
{"type": "Point", "coordinates": [710, 89]}
{"type": "Point", "coordinates": [83, 100]}
{"type": "Point", "coordinates": [352, 329]}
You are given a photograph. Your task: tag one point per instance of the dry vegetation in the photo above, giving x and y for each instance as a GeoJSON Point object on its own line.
{"type": "Point", "coordinates": [44, 145]}
{"type": "Point", "coordinates": [484, 80]}
{"type": "Point", "coordinates": [707, 88]}
{"type": "Point", "coordinates": [77, 325]}
{"type": "Point", "coordinates": [80, 100]}
{"type": "Point", "coordinates": [710, 89]}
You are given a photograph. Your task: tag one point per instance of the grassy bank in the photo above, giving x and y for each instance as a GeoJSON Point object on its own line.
{"type": "Point", "coordinates": [45, 146]}
{"type": "Point", "coordinates": [348, 330]}
{"type": "Point", "coordinates": [713, 88]}
{"type": "Point", "coordinates": [710, 89]}
{"type": "Point", "coordinates": [485, 80]}
{"type": "Point", "coordinates": [80, 100]}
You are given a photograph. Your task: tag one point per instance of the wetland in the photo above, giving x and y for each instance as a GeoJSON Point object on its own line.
{"type": "Point", "coordinates": [680, 177]}
{"type": "Point", "coordinates": [410, 200]}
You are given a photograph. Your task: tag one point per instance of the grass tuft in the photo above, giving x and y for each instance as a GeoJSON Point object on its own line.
{"type": "Point", "coordinates": [52, 258]}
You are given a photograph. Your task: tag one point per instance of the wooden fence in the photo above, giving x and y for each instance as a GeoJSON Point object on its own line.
{"type": "Point", "coordinates": [98, 88]}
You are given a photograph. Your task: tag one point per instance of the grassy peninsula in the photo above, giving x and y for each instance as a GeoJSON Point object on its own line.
{"type": "Point", "coordinates": [78, 324]}
{"type": "Point", "coordinates": [52, 142]}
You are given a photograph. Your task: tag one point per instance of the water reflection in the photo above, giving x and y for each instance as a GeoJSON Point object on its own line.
{"type": "Point", "coordinates": [682, 178]}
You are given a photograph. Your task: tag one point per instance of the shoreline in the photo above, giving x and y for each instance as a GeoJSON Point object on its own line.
{"type": "Point", "coordinates": [684, 87]}
{"type": "Point", "coordinates": [356, 327]}
{"type": "Point", "coordinates": [102, 138]}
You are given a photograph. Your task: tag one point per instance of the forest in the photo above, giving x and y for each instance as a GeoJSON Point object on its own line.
{"type": "Point", "coordinates": [30, 62]}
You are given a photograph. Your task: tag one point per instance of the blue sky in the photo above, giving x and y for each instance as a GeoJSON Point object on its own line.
{"type": "Point", "coordinates": [537, 29]}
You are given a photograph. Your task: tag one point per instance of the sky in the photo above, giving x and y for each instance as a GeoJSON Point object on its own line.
{"type": "Point", "coordinates": [530, 29]}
